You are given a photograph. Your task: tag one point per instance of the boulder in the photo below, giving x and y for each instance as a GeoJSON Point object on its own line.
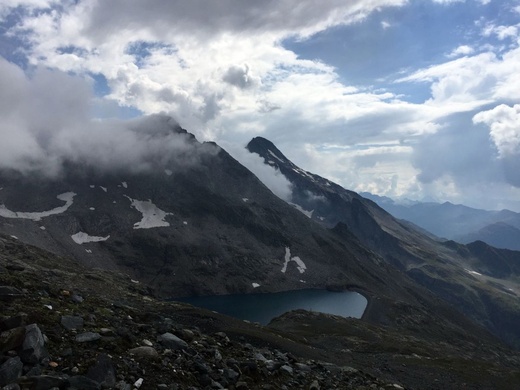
{"type": "Point", "coordinates": [87, 337]}
{"type": "Point", "coordinates": [103, 371]}
{"type": "Point", "coordinates": [11, 339]}
{"type": "Point", "coordinates": [33, 347]}
{"type": "Point", "coordinates": [171, 341]}
{"type": "Point", "coordinates": [84, 383]}
{"type": "Point", "coordinates": [7, 293]}
{"type": "Point", "coordinates": [72, 322]}
{"type": "Point", "coordinates": [144, 352]}
{"type": "Point", "coordinates": [10, 371]}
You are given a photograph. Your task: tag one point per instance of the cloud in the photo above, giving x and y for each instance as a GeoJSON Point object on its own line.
{"type": "Point", "coordinates": [270, 176]}
{"type": "Point", "coordinates": [504, 125]}
{"type": "Point", "coordinates": [225, 70]}
{"type": "Point", "coordinates": [462, 50]}
{"type": "Point", "coordinates": [240, 77]}
{"type": "Point", "coordinates": [46, 122]}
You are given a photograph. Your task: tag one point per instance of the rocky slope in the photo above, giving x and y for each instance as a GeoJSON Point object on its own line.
{"type": "Point", "coordinates": [66, 326]}
{"type": "Point", "coordinates": [208, 227]}
{"type": "Point", "coordinates": [465, 277]}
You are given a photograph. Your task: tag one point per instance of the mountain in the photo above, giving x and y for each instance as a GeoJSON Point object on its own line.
{"type": "Point", "coordinates": [464, 278]}
{"type": "Point", "coordinates": [194, 221]}
{"type": "Point", "coordinates": [457, 222]}
{"type": "Point", "coordinates": [74, 327]}
{"type": "Point", "coordinates": [199, 227]}
{"type": "Point", "coordinates": [500, 235]}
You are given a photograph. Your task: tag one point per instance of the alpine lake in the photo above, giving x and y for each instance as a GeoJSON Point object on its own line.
{"type": "Point", "coordinates": [262, 308]}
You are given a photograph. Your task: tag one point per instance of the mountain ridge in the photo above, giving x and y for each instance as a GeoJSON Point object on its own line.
{"type": "Point", "coordinates": [463, 278]}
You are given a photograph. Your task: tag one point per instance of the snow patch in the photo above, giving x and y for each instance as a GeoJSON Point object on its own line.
{"type": "Point", "coordinates": [185, 222]}
{"type": "Point", "coordinates": [275, 156]}
{"type": "Point", "coordinates": [302, 210]}
{"type": "Point", "coordinates": [92, 208]}
{"type": "Point", "coordinates": [152, 215]}
{"type": "Point", "coordinates": [245, 200]}
{"type": "Point", "coordinates": [302, 281]}
{"type": "Point", "coordinates": [92, 186]}
{"type": "Point", "coordinates": [42, 227]}
{"type": "Point", "coordinates": [88, 251]}
{"type": "Point", "coordinates": [67, 197]}
{"type": "Point", "coordinates": [124, 184]}
{"type": "Point", "coordinates": [255, 285]}
{"type": "Point", "coordinates": [472, 272]}
{"type": "Point", "coordinates": [16, 238]}
{"type": "Point", "coordinates": [299, 263]}
{"type": "Point", "coordinates": [103, 188]}
{"type": "Point", "coordinates": [82, 238]}
{"type": "Point", "coordinates": [168, 172]}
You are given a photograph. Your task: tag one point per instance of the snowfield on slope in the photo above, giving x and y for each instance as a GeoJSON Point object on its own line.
{"type": "Point", "coordinates": [299, 263]}
{"type": "Point", "coordinates": [152, 215]}
{"type": "Point", "coordinates": [67, 197]}
{"type": "Point", "coordinates": [82, 238]}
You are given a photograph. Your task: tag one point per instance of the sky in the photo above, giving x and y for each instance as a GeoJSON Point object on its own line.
{"type": "Point", "coordinates": [407, 99]}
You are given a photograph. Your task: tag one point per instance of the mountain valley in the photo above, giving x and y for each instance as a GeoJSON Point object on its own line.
{"type": "Point", "coordinates": [211, 227]}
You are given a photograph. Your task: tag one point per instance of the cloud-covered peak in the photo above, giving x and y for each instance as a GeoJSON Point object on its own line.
{"type": "Point", "coordinates": [356, 91]}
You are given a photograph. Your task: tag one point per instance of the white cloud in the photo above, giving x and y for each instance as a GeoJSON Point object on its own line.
{"type": "Point", "coordinates": [46, 120]}
{"type": "Point", "coordinates": [271, 177]}
{"type": "Point", "coordinates": [462, 50]}
{"type": "Point", "coordinates": [501, 32]}
{"type": "Point", "coordinates": [220, 68]}
{"type": "Point", "coordinates": [448, 1]}
{"type": "Point", "coordinates": [504, 124]}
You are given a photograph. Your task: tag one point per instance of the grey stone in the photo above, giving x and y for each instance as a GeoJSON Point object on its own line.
{"type": "Point", "coordinates": [171, 341]}
{"type": "Point", "coordinates": [103, 371]}
{"type": "Point", "coordinates": [144, 352]}
{"type": "Point", "coordinates": [83, 383]}
{"type": "Point", "coordinates": [76, 298]}
{"type": "Point", "coordinates": [72, 322]}
{"type": "Point", "coordinates": [13, 322]}
{"type": "Point", "coordinates": [314, 385]}
{"type": "Point", "coordinates": [303, 367]}
{"type": "Point", "coordinates": [11, 386]}
{"type": "Point", "coordinates": [44, 382]}
{"type": "Point", "coordinates": [186, 334]}
{"type": "Point", "coordinates": [87, 337]}
{"type": "Point", "coordinates": [8, 293]}
{"type": "Point", "coordinates": [11, 339]}
{"type": "Point", "coordinates": [10, 370]}
{"type": "Point", "coordinates": [241, 386]}
{"type": "Point", "coordinates": [33, 347]}
{"type": "Point", "coordinates": [231, 375]}
{"type": "Point", "coordinates": [287, 369]}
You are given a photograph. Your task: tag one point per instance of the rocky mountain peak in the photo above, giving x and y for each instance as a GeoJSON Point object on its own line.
{"type": "Point", "coordinates": [265, 148]}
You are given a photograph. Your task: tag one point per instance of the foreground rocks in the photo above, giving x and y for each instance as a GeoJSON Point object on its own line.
{"type": "Point", "coordinates": [61, 329]}
{"type": "Point", "coordinates": [65, 327]}
{"type": "Point", "coordinates": [125, 359]}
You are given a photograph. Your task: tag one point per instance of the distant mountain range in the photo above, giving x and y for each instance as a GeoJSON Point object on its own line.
{"type": "Point", "coordinates": [457, 222]}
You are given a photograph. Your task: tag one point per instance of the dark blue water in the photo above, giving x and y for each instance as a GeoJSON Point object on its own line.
{"type": "Point", "coordinates": [263, 308]}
